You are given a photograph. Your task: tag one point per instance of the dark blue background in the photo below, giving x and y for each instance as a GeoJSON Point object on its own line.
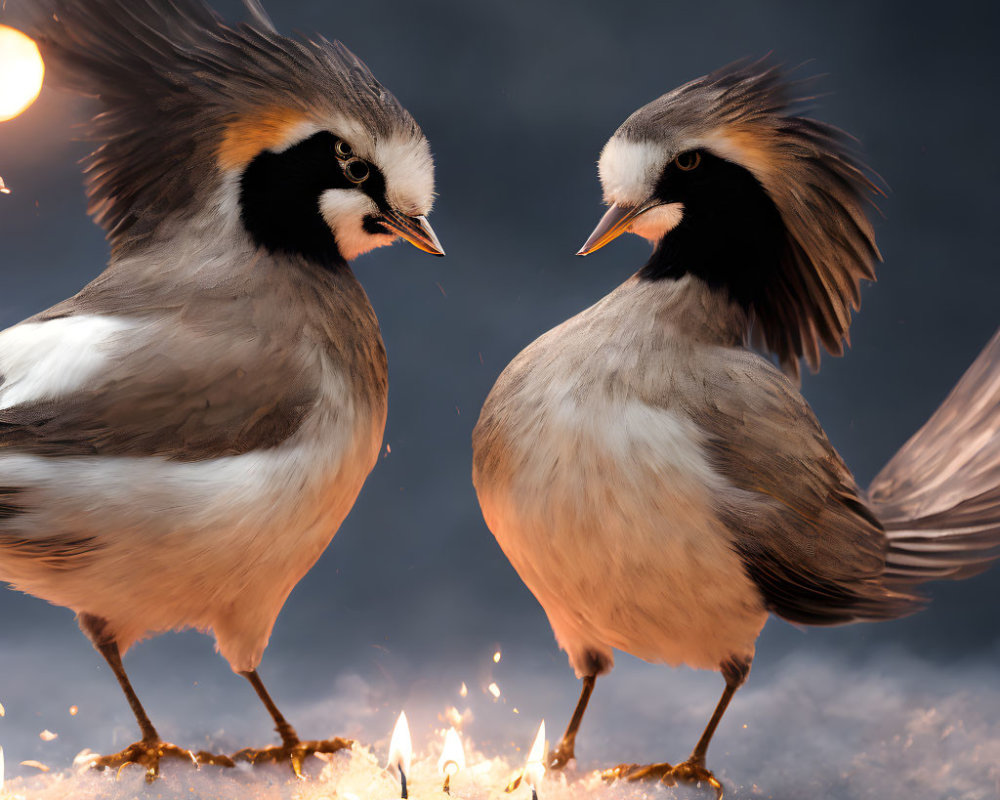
{"type": "Point", "coordinates": [517, 98]}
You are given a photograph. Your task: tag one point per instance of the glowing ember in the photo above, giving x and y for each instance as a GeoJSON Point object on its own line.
{"type": "Point", "coordinates": [47, 735]}
{"type": "Point", "coordinates": [494, 690]}
{"type": "Point", "coordinates": [452, 758]}
{"type": "Point", "coordinates": [401, 750]}
{"type": "Point", "coordinates": [73, 711]}
{"type": "Point", "coordinates": [35, 765]}
{"type": "Point", "coordinates": [534, 770]}
{"type": "Point", "coordinates": [496, 657]}
{"type": "Point", "coordinates": [22, 69]}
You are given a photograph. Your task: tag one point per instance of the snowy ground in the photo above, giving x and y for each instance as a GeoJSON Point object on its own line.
{"type": "Point", "coordinates": [814, 727]}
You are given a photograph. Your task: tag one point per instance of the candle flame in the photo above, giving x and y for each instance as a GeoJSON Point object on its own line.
{"type": "Point", "coordinates": [494, 690]}
{"type": "Point", "coordinates": [534, 770]}
{"type": "Point", "coordinates": [496, 657]}
{"type": "Point", "coordinates": [3, 190]}
{"type": "Point", "coordinates": [453, 756]}
{"type": "Point", "coordinates": [401, 746]}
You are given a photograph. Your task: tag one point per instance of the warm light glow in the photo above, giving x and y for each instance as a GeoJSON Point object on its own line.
{"type": "Point", "coordinates": [1, 769]}
{"type": "Point", "coordinates": [496, 657]}
{"type": "Point", "coordinates": [21, 72]}
{"type": "Point", "coordinates": [534, 770]}
{"type": "Point", "coordinates": [494, 690]}
{"type": "Point", "coordinates": [401, 746]}
{"type": "Point", "coordinates": [453, 756]}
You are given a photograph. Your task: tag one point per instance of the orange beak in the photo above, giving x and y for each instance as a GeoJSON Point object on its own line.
{"type": "Point", "coordinates": [416, 230]}
{"type": "Point", "coordinates": [614, 223]}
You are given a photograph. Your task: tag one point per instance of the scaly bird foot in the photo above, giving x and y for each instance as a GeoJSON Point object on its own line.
{"type": "Point", "coordinates": [558, 758]}
{"type": "Point", "coordinates": [149, 754]}
{"type": "Point", "coordinates": [689, 771]}
{"type": "Point", "coordinates": [292, 752]}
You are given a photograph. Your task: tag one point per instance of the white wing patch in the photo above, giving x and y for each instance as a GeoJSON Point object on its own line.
{"type": "Point", "coordinates": [46, 360]}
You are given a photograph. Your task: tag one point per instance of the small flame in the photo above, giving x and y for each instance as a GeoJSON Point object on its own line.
{"type": "Point", "coordinates": [453, 756]}
{"type": "Point", "coordinates": [494, 690]}
{"type": "Point", "coordinates": [3, 187]}
{"type": "Point", "coordinates": [534, 770]}
{"type": "Point", "coordinates": [464, 691]}
{"type": "Point", "coordinates": [401, 746]}
{"type": "Point", "coordinates": [496, 657]}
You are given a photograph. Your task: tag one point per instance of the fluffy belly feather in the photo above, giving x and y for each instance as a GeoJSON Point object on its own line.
{"type": "Point", "coordinates": [164, 545]}
{"type": "Point", "coordinates": [605, 512]}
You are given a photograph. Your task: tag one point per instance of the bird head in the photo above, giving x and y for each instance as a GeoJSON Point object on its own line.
{"type": "Point", "coordinates": [733, 185]}
{"type": "Point", "coordinates": [238, 129]}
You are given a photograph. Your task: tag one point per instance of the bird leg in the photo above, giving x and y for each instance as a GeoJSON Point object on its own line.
{"type": "Point", "coordinates": [565, 750]}
{"type": "Point", "coordinates": [735, 671]}
{"type": "Point", "coordinates": [151, 749]}
{"type": "Point", "coordinates": [292, 749]}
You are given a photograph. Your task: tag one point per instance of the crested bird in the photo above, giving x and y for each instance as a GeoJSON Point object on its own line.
{"type": "Point", "coordinates": [180, 441]}
{"type": "Point", "coordinates": [658, 483]}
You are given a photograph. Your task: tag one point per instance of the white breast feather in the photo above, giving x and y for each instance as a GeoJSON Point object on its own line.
{"type": "Point", "coordinates": [609, 515]}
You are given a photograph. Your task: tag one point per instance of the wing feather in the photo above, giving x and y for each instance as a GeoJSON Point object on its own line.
{"type": "Point", "coordinates": [807, 539]}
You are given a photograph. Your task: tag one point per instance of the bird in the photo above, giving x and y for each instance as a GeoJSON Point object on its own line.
{"type": "Point", "coordinates": [181, 439]}
{"type": "Point", "coordinates": [649, 466]}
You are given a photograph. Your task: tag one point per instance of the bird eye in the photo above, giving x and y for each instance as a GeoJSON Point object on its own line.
{"type": "Point", "coordinates": [343, 149]}
{"type": "Point", "coordinates": [688, 161]}
{"type": "Point", "coordinates": [356, 170]}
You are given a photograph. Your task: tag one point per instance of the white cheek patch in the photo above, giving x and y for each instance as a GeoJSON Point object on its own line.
{"type": "Point", "coordinates": [629, 170]}
{"type": "Point", "coordinates": [344, 211]}
{"type": "Point", "coordinates": [658, 221]}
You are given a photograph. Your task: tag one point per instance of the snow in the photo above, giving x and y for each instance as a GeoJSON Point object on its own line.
{"type": "Point", "coordinates": [817, 728]}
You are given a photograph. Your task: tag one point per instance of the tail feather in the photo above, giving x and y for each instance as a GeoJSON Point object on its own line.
{"type": "Point", "coordinates": [939, 496]}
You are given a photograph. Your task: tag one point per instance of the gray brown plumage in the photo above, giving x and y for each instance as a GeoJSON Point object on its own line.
{"type": "Point", "coordinates": [752, 113]}
{"type": "Point", "coordinates": [181, 440]}
{"type": "Point", "coordinates": [659, 486]}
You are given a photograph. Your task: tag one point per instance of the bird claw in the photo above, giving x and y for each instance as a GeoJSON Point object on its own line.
{"type": "Point", "coordinates": [294, 752]}
{"type": "Point", "coordinates": [558, 758]}
{"type": "Point", "coordinates": [689, 771]}
{"type": "Point", "coordinates": [148, 756]}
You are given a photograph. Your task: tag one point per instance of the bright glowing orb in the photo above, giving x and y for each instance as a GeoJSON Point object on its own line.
{"type": "Point", "coordinates": [21, 72]}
